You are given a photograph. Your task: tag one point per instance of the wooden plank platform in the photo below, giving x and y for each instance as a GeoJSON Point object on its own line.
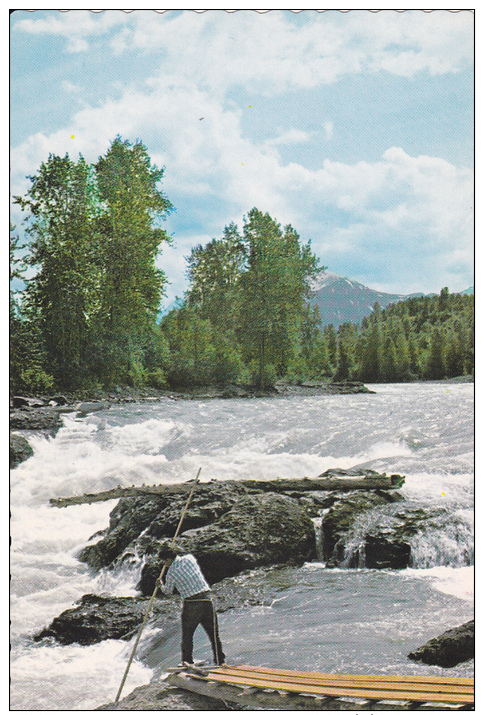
{"type": "Point", "coordinates": [294, 690]}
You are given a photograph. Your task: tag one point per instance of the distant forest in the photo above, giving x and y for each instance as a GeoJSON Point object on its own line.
{"type": "Point", "coordinates": [88, 316]}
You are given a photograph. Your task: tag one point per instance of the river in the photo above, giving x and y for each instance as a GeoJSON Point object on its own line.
{"type": "Point", "coordinates": [340, 620]}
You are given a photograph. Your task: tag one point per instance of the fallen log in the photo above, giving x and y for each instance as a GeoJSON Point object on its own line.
{"type": "Point", "coordinates": [331, 480]}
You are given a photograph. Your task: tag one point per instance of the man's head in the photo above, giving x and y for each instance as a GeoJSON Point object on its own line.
{"type": "Point", "coordinates": [168, 553]}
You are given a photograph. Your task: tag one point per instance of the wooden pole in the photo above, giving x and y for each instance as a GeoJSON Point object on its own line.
{"type": "Point", "coordinates": [154, 593]}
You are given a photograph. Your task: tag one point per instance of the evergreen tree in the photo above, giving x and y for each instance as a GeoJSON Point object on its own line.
{"type": "Point", "coordinates": [371, 353]}
{"type": "Point", "coordinates": [332, 343]}
{"type": "Point", "coordinates": [435, 363]}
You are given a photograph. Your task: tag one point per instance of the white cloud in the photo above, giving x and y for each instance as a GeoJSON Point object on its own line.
{"type": "Point", "coordinates": [78, 27]}
{"type": "Point", "coordinates": [293, 136]}
{"type": "Point", "coordinates": [211, 158]}
{"type": "Point", "coordinates": [69, 87]}
{"type": "Point", "coordinates": [269, 53]}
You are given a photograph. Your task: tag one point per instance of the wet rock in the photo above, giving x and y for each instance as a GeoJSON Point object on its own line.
{"type": "Point", "coordinates": [140, 522]}
{"type": "Point", "coordinates": [84, 408]}
{"type": "Point", "coordinates": [337, 523]}
{"type": "Point", "coordinates": [42, 419]}
{"type": "Point", "coordinates": [259, 530]}
{"type": "Point", "coordinates": [20, 450]}
{"type": "Point", "coordinates": [59, 400]}
{"type": "Point", "coordinates": [449, 649]}
{"type": "Point", "coordinates": [22, 402]}
{"type": "Point", "coordinates": [348, 388]}
{"type": "Point", "coordinates": [385, 549]}
{"type": "Point", "coordinates": [126, 522]}
{"type": "Point", "coordinates": [97, 618]}
{"type": "Point", "coordinates": [323, 388]}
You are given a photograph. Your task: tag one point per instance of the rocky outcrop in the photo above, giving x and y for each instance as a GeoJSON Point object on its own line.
{"type": "Point", "coordinates": [345, 387]}
{"type": "Point", "coordinates": [20, 450]}
{"type": "Point", "coordinates": [141, 522]}
{"type": "Point", "coordinates": [386, 549]}
{"type": "Point", "coordinates": [97, 618]}
{"type": "Point", "coordinates": [257, 531]}
{"type": "Point", "coordinates": [232, 526]}
{"type": "Point", "coordinates": [449, 649]}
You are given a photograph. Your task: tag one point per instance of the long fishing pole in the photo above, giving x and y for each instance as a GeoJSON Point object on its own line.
{"type": "Point", "coordinates": [157, 585]}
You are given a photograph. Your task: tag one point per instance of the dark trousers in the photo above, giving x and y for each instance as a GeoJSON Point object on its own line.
{"type": "Point", "coordinates": [199, 610]}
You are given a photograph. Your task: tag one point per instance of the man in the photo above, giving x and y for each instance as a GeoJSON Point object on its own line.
{"type": "Point", "coordinates": [185, 575]}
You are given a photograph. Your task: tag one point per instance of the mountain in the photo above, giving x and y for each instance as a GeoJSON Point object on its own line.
{"type": "Point", "coordinates": [341, 300]}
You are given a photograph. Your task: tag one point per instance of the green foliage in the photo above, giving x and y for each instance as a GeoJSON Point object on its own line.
{"type": "Point", "coordinates": [421, 338]}
{"type": "Point", "coordinates": [87, 315]}
{"type": "Point", "coordinates": [129, 242]}
{"type": "Point", "coordinates": [272, 291]}
{"type": "Point", "coordinates": [251, 289]}
{"type": "Point", "coordinates": [94, 236]}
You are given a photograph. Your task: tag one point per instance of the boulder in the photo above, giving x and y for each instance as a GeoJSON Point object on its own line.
{"type": "Point", "coordinates": [385, 549]}
{"type": "Point", "coordinates": [19, 401]}
{"type": "Point", "coordinates": [97, 618]}
{"type": "Point", "coordinates": [20, 450]}
{"type": "Point", "coordinates": [259, 530]}
{"type": "Point", "coordinates": [42, 419]}
{"type": "Point", "coordinates": [449, 649]}
{"type": "Point", "coordinates": [140, 522]}
{"type": "Point", "coordinates": [337, 523]}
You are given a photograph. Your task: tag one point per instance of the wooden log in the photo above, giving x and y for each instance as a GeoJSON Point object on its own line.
{"type": "Point", "coordinates": [123, 492]}
{"type": "Point", "coordinates": [329, 481]}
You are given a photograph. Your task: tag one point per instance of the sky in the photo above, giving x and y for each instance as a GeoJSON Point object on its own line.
{"type": "Point", "coordinates": [356, 127]}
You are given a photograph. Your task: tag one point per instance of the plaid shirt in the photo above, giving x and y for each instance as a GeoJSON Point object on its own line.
{"type": "Point", "coordinates": [184, 574]}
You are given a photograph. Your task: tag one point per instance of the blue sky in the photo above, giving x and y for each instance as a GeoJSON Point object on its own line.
{"type": "Point", "coordinates": [355, 127]}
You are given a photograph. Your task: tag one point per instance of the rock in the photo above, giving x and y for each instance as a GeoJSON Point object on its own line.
{"type": "Point", "coordinates": [348, 388]}
{"type": "Point", "coordinates": [44, 419]}
{"type": "Point", "coordinates": [60, 400]}
{"type": "Point", "coordinates": [259, 530]}
{"type": "Point", "coordinates": [342, 515]}
{"type": "Point", "coordinates": [98, 618]}
{"type": "Point", "coordinates": [162, 696]}
{"type": "Point", "coordinates": [322, 388]}
{"type": "Point", "coordinates": [19, 401]}
{"type": "Point", "coordinates": [84, 408]}
{"type": "Point", "coordinates": [20, 450]}
{"type": "Point", "coordinates": [158, 517]}
{"type": "Point", "coordinates": [449, 649]}
{"type": "Point", "coordinates": [126, 522]}
{"type": "Point", "coordinates": [386, 550]}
